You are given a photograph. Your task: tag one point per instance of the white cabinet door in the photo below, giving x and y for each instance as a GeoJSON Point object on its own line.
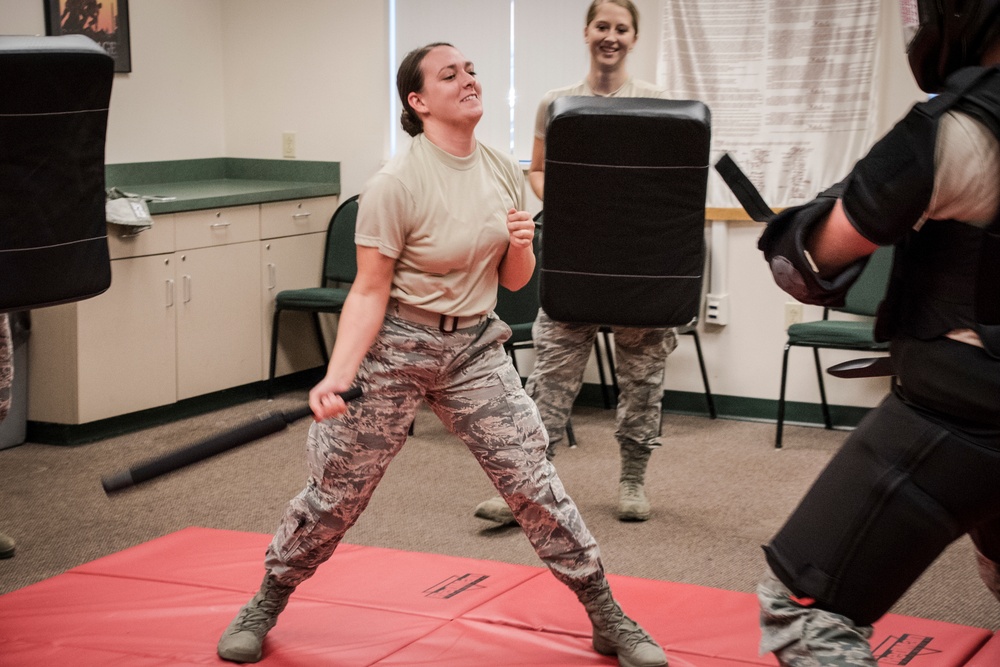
{"type": "Point", "coordinates": [292, 262]}
{"type": "Point", "coordinates": [126, 340]}
{"type": "Point", "coordinates": [218, 318]}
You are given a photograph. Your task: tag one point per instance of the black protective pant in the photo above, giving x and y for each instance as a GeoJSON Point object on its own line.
{"type": "Point", "coordinates": [913, 477]}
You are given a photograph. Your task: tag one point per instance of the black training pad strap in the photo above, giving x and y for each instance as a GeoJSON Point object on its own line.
{"type": "Point", "coordinates": [745, 192]}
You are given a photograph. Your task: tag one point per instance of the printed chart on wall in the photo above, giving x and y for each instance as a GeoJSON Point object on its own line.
{"type": "Point", "coordinates": [790, 84]}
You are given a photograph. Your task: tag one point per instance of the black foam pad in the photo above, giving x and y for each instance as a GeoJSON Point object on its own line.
{"type": "Point", "coordinates": [625, 186]}
{"type": "Point", "coordinates": [53, 122]}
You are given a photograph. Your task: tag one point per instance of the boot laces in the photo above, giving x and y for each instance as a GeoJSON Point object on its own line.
{"type": "Point", "coordinates": [259, 614]}
{"type": "Point", "coordinates": [622, 629]}
{"type": "Point", "coordinates": [632, 487]}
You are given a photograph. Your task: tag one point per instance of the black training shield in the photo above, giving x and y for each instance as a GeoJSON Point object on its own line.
{"type": "Point", "coordinates": [625, 187]}
{"type": "Point", "coordinates": [53, 121]}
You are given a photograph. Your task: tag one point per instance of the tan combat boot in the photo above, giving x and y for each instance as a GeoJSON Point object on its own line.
{"type": "Point", "coordinates": [632, 502]}
{"type": "Point", "coordinates": [6, 546]}
{"type": "Point", "coordinates": [243, 640]}
{"type": "Point", "coordinates": [495, 509]}
{"type": "Point", "coordinates": [617, 634]}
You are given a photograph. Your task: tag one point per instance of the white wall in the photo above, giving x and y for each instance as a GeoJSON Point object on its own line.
{"type": "Point", "coordinates": [171, 105]}
{"type": "Point", "coordinates": [214, 78]}
{"type": "Point", "coordinates": [226, 77]}
{"type": "Point", "coordinates": [318, 68]}
{"type": "Point", "coordinates": [22, 17]}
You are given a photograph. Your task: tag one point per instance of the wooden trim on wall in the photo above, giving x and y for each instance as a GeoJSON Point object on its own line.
{"type": "Point", "coordinates": [730, 214]}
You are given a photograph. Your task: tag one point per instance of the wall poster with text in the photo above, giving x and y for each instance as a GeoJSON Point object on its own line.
{"type": "Point", "coordinates": [104, 21]}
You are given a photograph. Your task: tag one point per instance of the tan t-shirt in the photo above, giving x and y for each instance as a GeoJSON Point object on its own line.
{"type": "Point", "coordinates": [631, 88]}
{"type": "Point", "coordinates": [966, 165]}
{"type": "Point", "coordinates": [444, 219]}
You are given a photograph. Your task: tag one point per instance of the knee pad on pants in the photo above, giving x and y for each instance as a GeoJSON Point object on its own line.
{"type": "Point", "coordinates": [868, 528]}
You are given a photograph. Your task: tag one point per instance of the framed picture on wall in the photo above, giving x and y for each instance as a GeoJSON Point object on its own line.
{"type": "Point", "coordinates": [104, 21]}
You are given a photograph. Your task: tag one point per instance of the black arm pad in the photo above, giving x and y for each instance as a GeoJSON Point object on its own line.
{"type": "Point", "coordinates": [784, 245]}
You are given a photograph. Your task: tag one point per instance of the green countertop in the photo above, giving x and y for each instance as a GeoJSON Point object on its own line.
{"type": "Point", "coordinates": [192, 185]}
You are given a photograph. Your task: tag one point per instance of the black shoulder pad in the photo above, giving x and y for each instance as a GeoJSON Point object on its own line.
{"type": "Point", "coordinates": [890, 188]}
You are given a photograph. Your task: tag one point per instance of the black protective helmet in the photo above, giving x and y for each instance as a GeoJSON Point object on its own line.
{"type": "Point", "coordinates": [943, 36]}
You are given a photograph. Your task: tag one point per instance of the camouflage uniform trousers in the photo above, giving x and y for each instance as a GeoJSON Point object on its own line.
{"type": "Point", "coordinates": [562, 352]}
{"type": "Point", "coordinates": [6, 364]}
{"type": "Point", "coordinates": [803, 636]}
{"type": "Point", "coordinates": [471, 385]}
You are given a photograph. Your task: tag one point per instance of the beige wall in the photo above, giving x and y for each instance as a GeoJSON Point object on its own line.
{"type": "Point", "coordinates": [318, 68]}
{"type": "Point", "coordinates": [217, 78]}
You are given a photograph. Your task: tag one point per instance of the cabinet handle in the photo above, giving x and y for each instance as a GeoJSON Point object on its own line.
{"type": "Point", "coordinates": [187, 288]}
{"type": "Point", "coordinates": [301, 215]}
{"type": "Point", "coordinates": [271, 275]}
{"type": "Point", "coordinates": [170, 292]}
{"type": "Point", "coordinates": [219, 224]}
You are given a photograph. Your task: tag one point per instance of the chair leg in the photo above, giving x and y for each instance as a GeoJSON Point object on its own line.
{"type": "Point", "coordinates": [600, 372]}
{"type": "Point", "coordinates": [822, 390]}
{"type": "Point", "coordinates": [611, 362]}
{"type": "Point", "coordinates": [274, 352]}
{"type": "Point", "coordinates": [781, 398]}
{"type": "Point", "coordinates": [512, 353]}
{"type": "Point", "coordinates": [704, 375]}
{"type": "Point", "coordinates": [318, 328]}
{"type": "Point", "coordinates": [570, 436]}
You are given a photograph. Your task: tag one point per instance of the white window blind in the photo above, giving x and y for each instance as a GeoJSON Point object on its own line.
{"type": "Point", "coordinates": [521, 49]}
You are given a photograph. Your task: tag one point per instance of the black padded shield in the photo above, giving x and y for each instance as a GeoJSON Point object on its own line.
{"type": "Point", "coordinates": [53, 121]}
{"type": "Point", "coordinates": [625, 186]}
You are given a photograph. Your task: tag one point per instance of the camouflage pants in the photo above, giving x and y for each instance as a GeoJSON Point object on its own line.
{"type": "Point", "coordinates": [802, 636]}
{"type": "Point", "coordinates": [562, 351]}
{"type": "Point", "coordinates": [6, 365]}
{"type": "Point", "coordinates": [470, 384]}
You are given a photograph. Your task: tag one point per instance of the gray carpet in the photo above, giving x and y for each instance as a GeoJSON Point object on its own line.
{"type": "Point", "coordinates": [718, 487]}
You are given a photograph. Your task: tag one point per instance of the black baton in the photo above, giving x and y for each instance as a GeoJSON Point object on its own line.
{"type": "Point", "coordinates": [253, 430]}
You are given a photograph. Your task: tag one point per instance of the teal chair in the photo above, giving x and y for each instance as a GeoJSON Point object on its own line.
{"type": "Point", "coordinates": [519, 310]}
{"type": "Point", "coordinates": [340, 266]}
{"type": "Point", "coordinates": [862, 299]}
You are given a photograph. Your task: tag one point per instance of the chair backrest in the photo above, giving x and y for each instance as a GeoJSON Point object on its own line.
{"type": "Point", "coordinates": [340, 262]}
{"type": "Point", "coordinates": [868, 291]}
{"type": "Point", "coordinates": [521, 307]}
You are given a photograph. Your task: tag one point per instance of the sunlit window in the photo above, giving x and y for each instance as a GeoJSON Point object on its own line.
{"type": "Point", "coordinates": [521, 49]}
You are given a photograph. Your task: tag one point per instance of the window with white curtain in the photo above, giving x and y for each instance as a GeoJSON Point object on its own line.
{"type": "Point", "coordinates": [521, 49]}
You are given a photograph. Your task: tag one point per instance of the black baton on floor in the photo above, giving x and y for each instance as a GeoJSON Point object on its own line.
{"type": "Point", "coordinates": [253, 430]}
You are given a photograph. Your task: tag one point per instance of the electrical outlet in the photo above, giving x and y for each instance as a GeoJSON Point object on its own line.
{"type": "Point", "coordinates": [717, 309]}
{"type": "Point", "coordinates": [793, 313]}
{"type": "Point", "coordinates": [288, 144]}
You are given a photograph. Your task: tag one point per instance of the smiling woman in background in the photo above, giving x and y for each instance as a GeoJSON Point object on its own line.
{"type": "Point", "coordinates": [562, 349]}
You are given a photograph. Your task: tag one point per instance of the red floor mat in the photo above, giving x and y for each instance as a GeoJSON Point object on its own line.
{"type": "Point", "coordinates": [710, 622]}
{"type": "Point", "coordinates": [988, 656]}
{"type": "Point", "coordinates": [164, 604]}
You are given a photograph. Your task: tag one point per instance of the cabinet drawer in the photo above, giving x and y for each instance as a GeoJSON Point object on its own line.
{"type": "Point", "coordinates": [201, 229]}
{"type": "Point", "coordinates": [302, 216]}
{"type": "Point", "coordinates": [156, 240]}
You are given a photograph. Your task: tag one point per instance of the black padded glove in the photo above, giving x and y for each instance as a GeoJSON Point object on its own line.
{"type": "Point", "coordinates": [784, 245]}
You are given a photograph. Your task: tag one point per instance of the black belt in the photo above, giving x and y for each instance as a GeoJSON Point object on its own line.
{"type": "Point", "coordinates": [445, 323]}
